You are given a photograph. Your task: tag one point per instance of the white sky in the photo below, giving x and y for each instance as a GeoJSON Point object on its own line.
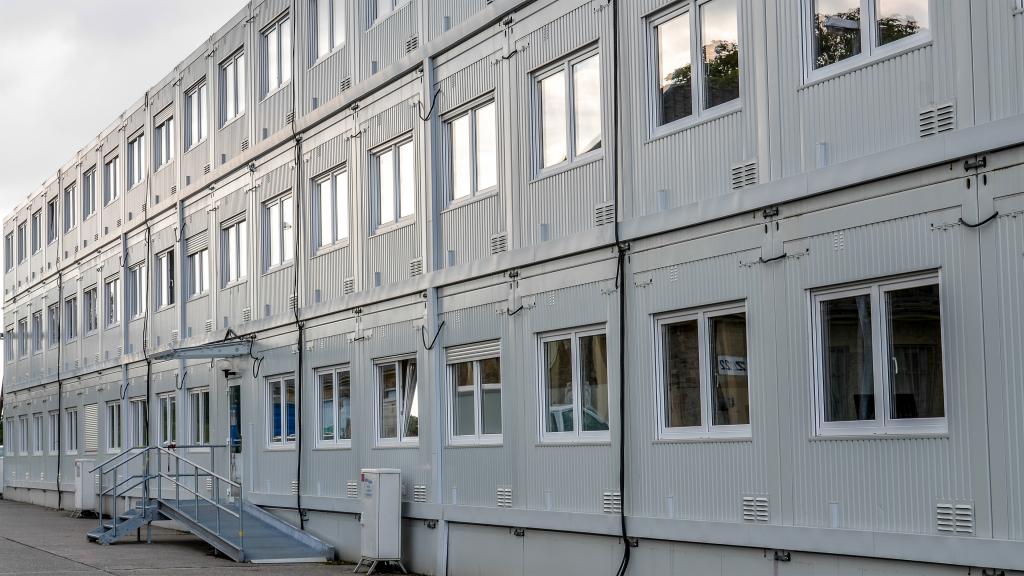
{"type": "Point", "coordinates": [68, 68]}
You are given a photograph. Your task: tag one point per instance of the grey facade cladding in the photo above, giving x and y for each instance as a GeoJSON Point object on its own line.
{"type": "Point", "coordinates": [811, 180]}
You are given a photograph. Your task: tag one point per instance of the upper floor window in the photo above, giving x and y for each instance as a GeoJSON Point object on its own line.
{"type": "Point", "coordinates": [111, 189]}
{"type": "Point", "coordinates": [136, 296]}
{"type": "Point", "coordinates": [474, 385]}
{"type": "Point", "coordinates": [335, 398]}
{"type": "Point", "coordinates": [331, 208]}
{"type": "Point", "coordinates": [88, 193]}
{"type": "Point", "coordinates": [112, 299]}
{"type": "Point", "coordinates": [878, 357]}
{"type": "Point", "coordinates": [9, 252]}
{"type": "Point", "coordinates": [277, 55]}
{"type": "Point", "coordinates": [569, 97]}
{"type": "Point", "coordinates": [383, 8]}
{"type": "Point", "coordinates": [195, 115]}
{"type": "Point", "coordinates": [278, 242]}
{"type": "Point", "coordinates": [702, 373]}
{"type": "Point", "coordinates": [330, 26]}
{"type": "Point", "coordinates": [69, 208]}
{"type": "Point", "coordinates": [22, 242]}
{"type": "Point", "coordinates": [9, 345]}
{"type": "Point", "coordinates": [53, 324]}
{"type": "Point", "coordinates": [574, 377]}
{"type": "Point", "coordinates": [90, 314]}
{"type": "Point", "coordinates": [163, 144]}
{"type": "Point", "coordinates": [281, 410]}
{"type": "Point", "coordinates": [37, 231]}
{"type": "Point", "coordinates": [473, 150]}
{"type": "Point", "coordinates": [235, 247]}
{"type": "Point", "coordinates": [395, 182]}
{"type": "Point", "coordinates": [70, 324]}
{"type": "Point", "coordinates": [702, 37]}
{"type": "Point", "coordinates": [113, 426]}
{"type": "Point", "coordinates": [37, 331]}
{"type": "Point", "coordinates": [199, 272]}
{"type": "Point", "coordinates": [199, 412]}
{"type": "Point", "coordinates": [51, 221]}
{"type": "Point", "coordinates": [232, 85]}
{"type": "Point", "coordinates": [23, 337]}
{"type": "Point", "coordinates": [165, 279]}
{"type": "Point", "coordinates": [853, 31]}
{"type": "Point", "coordinates": [397, 401]}
{"type": "Point", "coordinates": [136, 160]}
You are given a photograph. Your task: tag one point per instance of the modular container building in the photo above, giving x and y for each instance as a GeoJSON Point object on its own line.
{"type": "Point", "coordinates": [734, 285]}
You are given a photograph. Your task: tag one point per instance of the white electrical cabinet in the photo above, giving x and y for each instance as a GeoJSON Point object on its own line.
{"type": "Point", "coordinates": [381, 520]}
{"type": "Point", "coordinates": [85, 485]}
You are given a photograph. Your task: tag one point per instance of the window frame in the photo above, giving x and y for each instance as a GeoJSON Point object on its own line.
{"type": "Point", "coordinates": [37, 231]}
{"type": "Point", "coordinates": [90, 304]}
{"type": "Point", "coordinates": [23, 350]}
{"type": "Point", "coordinates": [237, 85]}
{"type": "Point", "coordinates": [9, 355]}
{"type": "Point", "coordinates": [286, 235]}
{"type": "Point", "coordinates": [336, 442]}
{"type": "Point", "coordinates": [88, 193]}
{"type": "Point", "coordinates": [338, 240]}
{"type": "Point", "coordinates": [379, 17]}
{"type": "Point", "coordinates": [167, 405]}
{"type": "Point", "coordinates": [239, 256]}
{"type": "Point", "coordinates": [577, 435]}
{"type": "Point", "coordinates": [53, 324]}
{"type": "Point", "coordinates": [37, 434]}
{"type": "Point", "coordinates": [70, 219]}
{"type": "Point", "coordinates": [285, 441]}
{"type": "Point", "coordinates": [197, 119]}
{"type": "Point", "coordinates": [136, 291]}
{"type": "Point", "coordinates": [22, 242]}
{"type": "Point", "coordinates": [883, 425]}
{"type": "Point", "coordinates": [37, 332]}
{"type": "Point", "coordinates": [23, 433]}
{"type": "Point", "coordinates": [566, 66]}
{"type": "Point", "coordinates": [395, 148]}
{"type": "Point", "coordinates": [400, 440]}
{"type": "Point", "coordinates": [198, 283]}
{"type": "Point", "coordinates": [478, 438]}
{"type": "Point", "coordinates": [71, 427]}
{"type": "Point", "coordinates": [52, 225]}
{"type": "Point", "coordinates": [113, 419]}
{"type": "Point", "coordinates": [53, 423]}
{"type": "Point", "coordinates": [111, 302]}
{"type": "Point", "coordinates": [470, 111]}
{"type": "Point", "coordinates": [9, 259]}
{"type": "Point", "coordinates": [136, 160]}
{"type": "Point", "coordinates": [138, 407]}
{"type": "Point", "coordinates": [282, 53]}
{"type": "Point", "coordinates": [199, 437]}
{"type": "Point", "coordinates": [163, 144]}
{"type": "Point", "coordinates": [111, 180]}
{"type": "Point", "coordinates": [165, 297]}
{"type": "Point", "coordinates": [333, 44]}
{"type": "Point", "coordinates": [69, 323]}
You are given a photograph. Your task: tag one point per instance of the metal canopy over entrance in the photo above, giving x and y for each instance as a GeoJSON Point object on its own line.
{"type": "Point", "coordinates": [209, 351]}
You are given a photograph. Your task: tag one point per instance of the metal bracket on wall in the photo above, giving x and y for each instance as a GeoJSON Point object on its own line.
{"type": "Point", "coordinates": [431, 524]}
{"type": "Point", "coordinates": [519, 532]}
{"type": "Point", "coordinates": [975, 164]}
{"type": "Point", "coordinates": [782, 556]}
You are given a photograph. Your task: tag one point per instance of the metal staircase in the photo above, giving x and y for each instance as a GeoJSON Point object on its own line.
{"type": "Point", "coordinates": [156, 483]}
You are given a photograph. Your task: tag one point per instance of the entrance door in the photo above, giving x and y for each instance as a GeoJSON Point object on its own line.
{"type": "Point", "coordinates": [234, 440]}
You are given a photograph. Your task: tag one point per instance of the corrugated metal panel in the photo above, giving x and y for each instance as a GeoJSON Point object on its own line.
{"type": "Point", "coordinates": [447, 14]}
{"type": "Point", "coordinates": [466, 230]}
{"type": "Point", "coordinates": [389, 253]}
{"type": "Point", "coordinates": [385, 41]}
{"type": "Point", "coordinates": [1003, 44]}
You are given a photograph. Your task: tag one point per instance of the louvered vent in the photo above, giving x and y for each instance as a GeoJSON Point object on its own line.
{"type": "Point", "coordinates": [416, 267]}
{"type": "Point", "coordinates": [293, 301]}
{"type": "Point", "coordinates": [346, 83]}
{"type": "Point", "coordinates": [174, 189]}
{"type": "Point", "coordinates": [755, 509]}
{"type": "Point", "coordinates": [246, 314]}
{"type": "Point", "coordinates": [419, 493]}
{"type": "Point", "coordinates": [209, 483]}
{"type": "Point", "coordinates": [97, 358]}
{"type": "Point", "coordinates": [118, 222]}
{"type": "Point", "coordinates": [209, 325]}
{"type": "Point", "coordinates": [349, 285]}
{"type": "Point", "coordinates": [611, 502]}
{"type": "Point", "coordinates": [499, 243]}
{"type": "Point", "coordinates": [289, 117]}
{"type": "Point", "coordinates": [503, 496]}
{"type": "Point", "coordinates": [412, 43]}
{"type": "Point", "coordinates": [206, 169]}
{"type": "Point", "coordinates": [954, 518]}
{"type": "Point", "coordinates": [941, 118]}
{"type": "Point", "coordinates": [743, 175]}
{"type": "Point", "coordinates": [295, 487]}
{"type": "Point", "coordinates": [604, 214]}
{"type": "Point", "coordinates": [352, 490]}
{"type": "Point", "coordinates": [174, 337]}
{"type": "Point", "coordinates": [245, 144]}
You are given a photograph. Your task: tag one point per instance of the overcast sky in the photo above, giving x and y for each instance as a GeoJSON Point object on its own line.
{"type": "Point", "coordinates": [68, 68]}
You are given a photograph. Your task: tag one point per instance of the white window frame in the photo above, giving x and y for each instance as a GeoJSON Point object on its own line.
{"type": "Point", "coordinates": [883, 424]}
{"type": "Point", "coordinates": [163, 144]}
{"type": "Point", "coordinates": [460, 355]}
{"type": "Point", "coordinates": [869, 51]}
{"type": "Point", "coordinates": [470, 113]}
{"type": "Point", "coordinates": [276, 63]}
{"type": "Point", "coordinates": [53, 420]}
{"type": "Point", "coordinates": [565, 67]}
{"type": "Point", "coordinates": [577, 435]}
{"type": "Point", "coordinates": [23, 432]}
{"type": "Point", "coordinates": [339, 222]}
{"type": "Point", "coordinates": [284, 442]}
{"type": "Point", "coordinates": [9, 252]}
{"type": "Point", "coordinates": [395, 148]}
{"type": "Point", "coordinates": [232, 75]}
{"type": "Point", "coordinates": [37, 434]}
{"type": "Point", "coordinates": [71, 427]}
{"type": "Point", "coordinates": [90, 310]}
{"type": "Point", "coordinates": [37, 231]}
{"type": "Point", "coordinates": [37, 332]}
{"type": "Point", "coordinates": [114, 425]}
{"type": "Point", "coordinates": [380, 15]}
{"type": "Point", "coordinates": [111, 180]}
{"type": "Point", "coordinates": [706, 429]}
{"type": "Point", "coordinates": [334, 28]}
{"type": "Point", "coordinates": [69, 324]}
{"type": "Point", "coordinates": [88, 193]}
{"type": "Point", "coordinates": [22, 337]}
{"type": "Point", "coordinates": [69, 207]}
{"type": "Point", "coordinates": [112, 302]}
{"type": "Point", "coordinates": [53, 312]}
{"type": "Point", "coordinates": [335, 372]}
{"type": "Point", "coordinates": [199, 273]}
{"type": "Point", "coordinates": [136, 160]}
{"type": "Point", "coordinates": [200, 397]}
{"type": "Point", "coordinates": [9, 345]}
{"type": "Point", "coordinates": [196, 118]}
{"type": "Point", "coordinates": [22, 242]}
{"type": "Point", "coordinates": [52, 220]}
{"type": "Point", "coordinates": [235, 264]}
{"type": "Point", "coordinates": [400, 439]}
{"type": "Point", "coordinates": [165, 279]}
{"type": "Point", "coordinates": [138, 423]}
{"type": "Point", "coordinates": [167, 404]}
{"type": "Point", "coordinates": [282, 231]}
{"type": "Point", "coordinates": [137, 292]}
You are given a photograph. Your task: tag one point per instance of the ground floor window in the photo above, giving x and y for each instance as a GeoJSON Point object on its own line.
{"type": "Point", "coordinates": [138, 423]}
{"type": "Point", "coordinates": [397, 401]}
{"type": "Point", "coordinates": [199, 410]}
{"type": "Point", "coordinates": [474, 386]}
{"type": "Point", "coordinates": [168, 405]}
{"type": "Point", "coordinates": [113, 426]}
{"type": "Point", "coordinates": [281, 410]}
{"type": "Point", "coordinates": [574, 377]}
{"type": "Point", "coordinates": [335, 399]}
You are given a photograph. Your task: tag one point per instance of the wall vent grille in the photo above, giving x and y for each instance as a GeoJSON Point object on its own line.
{"type": "Point", "coordinates": [206, 169]}
{"type": "Point", "coordinates": [346, 83]}
{"type": "Point", "coordinates": [499, 243]}
{"type": "Point", "coordinates": [209, 325]}
{"type": "Point", "coordinates": [419, 493]}
{"type": "Point", "coordinates": [174, 189]}
{"type": "Point", "coordinates": [755, 509]}
{"type": "Point", "coordinates": [412, 43]}
{"type": "Point", "coordinates": [416, 267]}
{"type": "Point", "coordinates": [503, 496]}
{"type": "Point", "coordinates": [293, 301]}
{"type": "Point", "coordinates": [294, 487]}
{"type": "Point", "coordinates": [245, 144]}
{"type": "Point", "coordinates": [352, 490]}
{"type": "Point", "coordinates": [954, 517]}
{"type": "Point", "coordinates": [604, 214]}
{"type": "Point", "coordinates": [349, 285]}
{"type": "Point", "coordinates": [246, 314]}
{"type": "Point", "coordinates": [937, 119]}
{"type": "Point", "coordinates": [174, 337]}
{"type": "Point", "coordinates": [611, 502]}
{"type": "Point", "coordinates": [289, 117]}
{"type": "Point", "coordinates": [743, 175]}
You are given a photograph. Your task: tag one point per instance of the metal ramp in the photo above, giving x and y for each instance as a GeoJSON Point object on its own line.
{"type": "Point", "coordinates": [156, 483]}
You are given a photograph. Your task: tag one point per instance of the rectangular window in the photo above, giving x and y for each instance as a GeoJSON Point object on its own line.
{"type": "Point", "coordinates": [281, 410]}
{"type": "Point", "coordinates": [384, 8]}
{"type": "Point", "coordinates": [37, 231]}
{"type": "Point", "coordinates": [168, 419]}
{"type": "Point", "coordinates": [22, 242]}
{"type": "Point", "coordinates": [195, 115]}
{"type": "Point", "coordinates": [330, 26]}
{"type": "Point", "coordinates": [473, 150]}
{"type": "Point", "coordinates": [331, 208]}
{"type": "Point", "coordinates": [395, 179]}
{"type": "Point", "coordinates": [136, 160]}
{"type": "Point", "coordinates": [277, 55]}
{"type": "Point", "coordinates": [138, 423]}
{"type": "Point", "coordinates": [37, 436]}
{"type": "Point", "coordinates": [69, 208]}
{"type": "Point", "coordinates": [702, 373]}
{"type": "Point", "coordinates": [53, 421]}
{"type": "Point", "coordinates": [199, 411]}
{"type": "Point", "coordinates": [37, 331]}
{"type": "Point", "coordinates": [90, 314]}
{"type": "Point", "coordinates": [53, 324]}
{"type": "Point", "coordinates": [112, 302]}
{"type": "Point", "coordinates": [111, 188]}
{"type": "Point", "coordinates": [165, 279]}
{"type": "Point", "coordinates": [71, 427]}
{"type": "Point", "coordinates": [235, 247]}
{"type": "Point", "coordinates": [137, 291]}
{"type": "Point", "coordinates": [51, 222]}
{"type": "Point", "coordinates": [278, 242]}
{"type": "Point", "coordinates": [70, 324]}
{"type": "Point", "coordinates": [398, 414]}
{"type": "Point", "coordinates": [570, 110]}
{"type": "Point", "coordinates": [878, 357]}
{"type": "Point", "coordinates": [199, 273]}
{"type": "Point", "coordinates": [23, 337]}
{"type": "Point", "coordinates": [88, 193]}
{"type": "Point", "coordinates": [163, 144]}
{"type": "Point", "coordinates": [575, 386]}
{"type": "Point", "coordinates": [9, 252]}
{"type": "Point", "coordinates": [474, 385]}
{"type": "Point", "coordinates": [335, 398]}
{"type": "Point", "coordinates": [9, 345]}
{"type": "Point", "coordinates": [23, 435]}
{"type": "Point", "coordinates": [113, 426]}
{"type": "Point", "coordinates": [855, 31]}
{"type": "Point", "coordinates": [232, 86]}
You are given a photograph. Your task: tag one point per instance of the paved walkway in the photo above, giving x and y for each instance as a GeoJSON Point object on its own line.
{"type": "Point", "coordinates": [35, 540]}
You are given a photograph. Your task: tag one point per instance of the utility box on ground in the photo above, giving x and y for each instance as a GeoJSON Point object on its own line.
{"type": "Point", "coordinates": [85, 485]}
{"type": "Point", "coordinates": [381, 520]}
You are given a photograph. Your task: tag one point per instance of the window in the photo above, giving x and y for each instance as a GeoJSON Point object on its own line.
{"type": "Point", "coordinates": [195, 115]}
{"type": "Point", "coordinates": [474, 385]}
{"type": "Point", "coordinates": [277, 55]}
{"type": "Point", "coordinates": [570, 110]}
{"type": "Point", "coordinates": [281, 410]}
{"type": "Point", "coordinates": [90, 316]}
{"type": "Point", "coordinates": [137, 290]}
{"type": "Point", "coordinates": [112, 300]}
{"type": "Point", "coordinates": [383, 8]}
{"type": "Point", "coordinates": [70, 325]}
{"type": "Point", "coordinates": [854, 31]}
{"type": "Point", "coordinates": [113, 426]}
{"type": "Point", "coordinates": [88, 193]}
{"type": "Point", "coordinates": [235, 247]}
{"type": "Point", "coordinates": [278, 243]}
{"type": "Point", "coordinates": [69, 208]}
{"type": "Point", "coordinates": [168, 419]}
{"type": "Point", "coordinates": [37, 231]}
{"type": "Point", "coordinates": [23, 435]}
{"type": "Point", "coordinates": [398, 411]}
{"type": "Point", "coordinates": [163, 145]}
{"type": "Point", "coordinates": [702, 373]}
{"type": "Point", "coordinates": [22, 242]}
{"type": "Point", "coordinates": [53, 323]}
{"type": "Point", "coordinates": [164, 279]}
{"type": "Point", "coordinates": [71, 425]}
{"type": "Point", "coordinates": [575, 386]}
{"type": "Point", "coordinates": [335, 398]}
{"type": "Point", "coordinates": [199, 411]}
{"type": "Point", "coordinates": [22, 337]}
{"type": "Point", "coordinates": [53, 420]}
{"type": "Point", "coordinates": [199, 272]}
{"type": "Point", "coordinates": [330, 26]}
{"type": "Point", "coordinates": [136, 160]}
{"type": "Point", "coordinates": [9, 345]}
{"type": "Point", "coordinates": [232, 85]}
{"type": "Point", "coordinates": [37, 331]}
{"type": "Point", "coordinates": [111, 189]}
{"type": "Point", "coordinates": [878, 357]}
{"type": "Point", "coordinates": [9, 252]}
{"type": "Point", "coordinates": [138, 423]}
{"type": "Point", "coordinates": [711, 33]}
{"type": "Point", "coordinates": [51, 221]}
{"type": "Point", "coordinates": [37, 436]}
{"type": "Point", "coordinates": [395, 179]}
{"type": "Point", "coordinates": [473, 148]}
{"type": "Point", "coordinates": [331, 208]}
